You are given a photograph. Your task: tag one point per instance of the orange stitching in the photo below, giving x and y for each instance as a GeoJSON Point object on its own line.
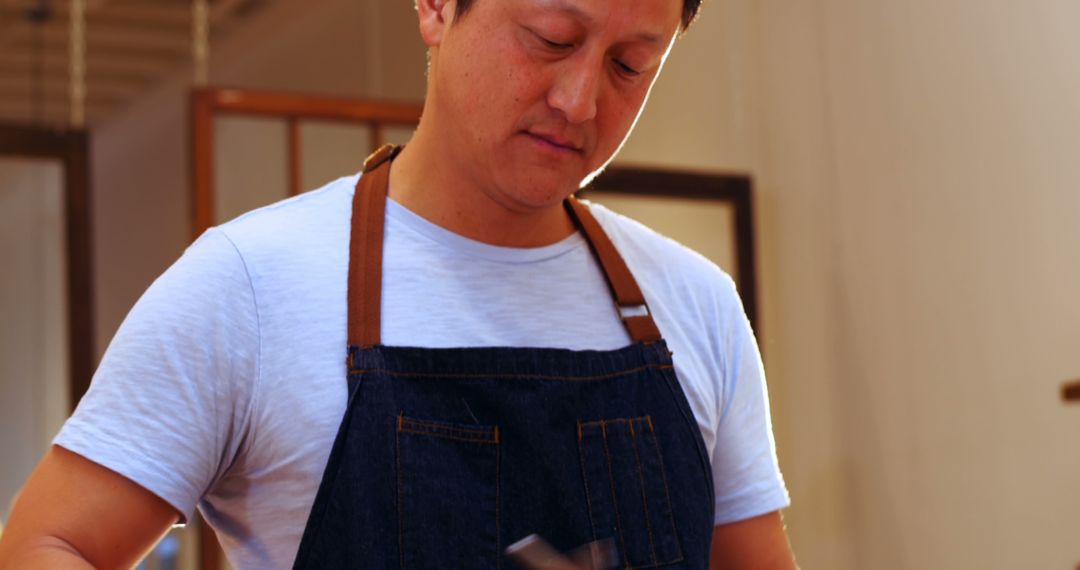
{"type": "Point", "coordinates": [585, 479]}
{"type": "Point", "coordinates": [498, 487]}
{"type": "Point", "coordinates": [435, 424]}
{"type": "Point", "coordinates": [616, 421]}
{"type": "Point", "coordinates": [451, 437]}
{"type": "Point", "coordinates": [401, 492]}
{"type": "Point", "coordinates": [602, 424]}
{"type": "Point", "coordinates": [435, 427]}
{"type": "Point", "coordinates": [510, 376]}
{"type": "Point", "coordinates": [448, 431]}
{"type": "Point", "coordinates": [401, 513]}
{"type": "Point", "coordinates": [644, 496]}
{"type": "Point", "coordinates": [614, 496]}
{"type": "Point", "coordinates": [667, 492]}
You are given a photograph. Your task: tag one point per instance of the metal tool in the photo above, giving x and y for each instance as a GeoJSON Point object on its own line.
{"type": "Point", "coordinates": [534, 553]}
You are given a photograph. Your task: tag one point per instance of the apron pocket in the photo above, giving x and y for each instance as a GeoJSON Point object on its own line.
{"type": "Point", "coordinates": [448, 494]}
{"type": "Point", "coordinates": [626, 487]}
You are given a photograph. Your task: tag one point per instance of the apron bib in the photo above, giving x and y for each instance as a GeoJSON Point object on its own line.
{"type": "Point", "coordinates": [446, 456]}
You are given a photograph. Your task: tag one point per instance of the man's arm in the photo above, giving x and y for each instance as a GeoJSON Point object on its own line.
{"type": "Point", "coordinates": [74, 513]}
{"type": "Point", "coordinates": [759, 543]}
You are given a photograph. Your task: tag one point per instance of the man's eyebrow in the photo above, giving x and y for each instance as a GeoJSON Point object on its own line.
{"type": "Point", "coordinates": [572, 9]}
{"type": "Point", "coordinates": [588, 19]}
{"type": "Point", "coordinates": [649, 37]}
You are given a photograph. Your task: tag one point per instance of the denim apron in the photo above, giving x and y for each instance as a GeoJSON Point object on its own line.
{"type": "Point", "coordinates": [447, 456]}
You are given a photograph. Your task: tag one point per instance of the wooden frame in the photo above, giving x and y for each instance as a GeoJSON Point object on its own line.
{"type": "Point", "coordinates": [72, 149]}
{"type": "Point", "coordinates": [210, 102]}
{"type": "Point", "coordinates": [736, 189]}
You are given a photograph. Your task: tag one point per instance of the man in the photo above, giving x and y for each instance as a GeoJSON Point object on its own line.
{"type": "Point", "coordinates": [223, 387]}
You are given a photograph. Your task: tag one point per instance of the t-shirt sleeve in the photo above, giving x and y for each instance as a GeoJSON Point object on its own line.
{"type": "Point", "coordinates": [746, 472]}
{"type": "Point", "coordinates": [168, 405]}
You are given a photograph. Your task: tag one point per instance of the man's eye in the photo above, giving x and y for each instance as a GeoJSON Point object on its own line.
{"type": "Point", "coordinates": [626, 69]}
{"type": "Point", "coordinates": [554, 45]}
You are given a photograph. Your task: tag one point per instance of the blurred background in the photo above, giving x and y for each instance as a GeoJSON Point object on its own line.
{"type": "Point", "coordinates": [916, 189]}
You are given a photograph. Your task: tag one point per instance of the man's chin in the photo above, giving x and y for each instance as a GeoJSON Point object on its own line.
{"type": "Point", "coordinates": [535, 197]}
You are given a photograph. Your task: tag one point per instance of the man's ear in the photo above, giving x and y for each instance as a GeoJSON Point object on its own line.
{"type": "Point", "coordinates": [435, 17]}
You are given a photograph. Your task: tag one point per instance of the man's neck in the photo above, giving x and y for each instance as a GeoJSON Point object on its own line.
{"type": "Point", "coordinates": [438, 189]}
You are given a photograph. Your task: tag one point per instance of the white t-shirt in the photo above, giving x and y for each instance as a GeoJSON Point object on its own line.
{"type": "Point", "coordinates": [225, 385]}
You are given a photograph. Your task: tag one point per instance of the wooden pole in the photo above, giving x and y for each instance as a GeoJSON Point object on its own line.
{"type": "Point", "coordinates": [200, 42]}
{"type": "Point", "coordinates": [202, 158]}
{"type": "Point", "coordinates": [294, 157]}
{"type": "Point", "coordinates": [77, 61]}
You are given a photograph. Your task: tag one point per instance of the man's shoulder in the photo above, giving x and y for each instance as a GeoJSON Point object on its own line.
{"type": "Point", "coordinates": [319, 213]}
{"type": "Point", "coordinates": [291, 245]}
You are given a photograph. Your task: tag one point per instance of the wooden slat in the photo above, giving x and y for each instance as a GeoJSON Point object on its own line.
{"type": "Point", "coordinates": [55, 120]}
{"type": "Point", "coordinates": [295, 157]}
{"type": "Point", "coordinates": [235, 101]}
{"type": "Point", "coordinates": [24, 108]}
{"type": "Point", "coordinates": [210, 551]}
{"type": "Point", "coordinates": [80, 264]}
{"type": "Point", "coordinates": [124, 65]}
{"type": "Point", "coordinates": [31, 142]}
{"type": "Point", "coordinates": [161, 50]}
{"type": "Point", "coordinates": [57, 89]}
{"type": "Point", "coordinates": [138, 12]}
{"type": "Point", "coordinates": [21, 118]}
{"type": "Point", "coordinates": [111, 36]}
{"type": "Point", "coordinates": [202, 166]}
{"type": "Point", "coordinates": [378, 136]}
{"type": "Point", "coordinates": [57, 84]}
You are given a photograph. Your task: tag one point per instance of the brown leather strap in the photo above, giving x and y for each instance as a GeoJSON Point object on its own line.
{"type": "Point", "coordinates": [624, 287]}
{"type": "Point", "coordinates": [366, 248]}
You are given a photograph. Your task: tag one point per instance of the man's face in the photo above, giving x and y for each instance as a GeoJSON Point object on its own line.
{"type": "Point", "coordinates": [531, 97]}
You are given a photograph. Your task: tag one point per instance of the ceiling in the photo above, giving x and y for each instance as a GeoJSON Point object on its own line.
{"type": "Point", "coordinates": [130, 46]}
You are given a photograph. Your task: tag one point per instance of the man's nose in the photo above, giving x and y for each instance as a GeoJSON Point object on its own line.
{"type": "Point", "coordinates": [576, 89]}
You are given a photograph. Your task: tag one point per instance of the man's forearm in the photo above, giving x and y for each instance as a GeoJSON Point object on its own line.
{"type": "Point", "coordinates": [74, 513]}
{"type": "Point", "coordinates": [759, 543]}
{"type": "Point", "coordinates": [43, 553]}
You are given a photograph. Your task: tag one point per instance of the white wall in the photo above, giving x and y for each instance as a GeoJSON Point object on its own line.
{"type": "Point", "coordinates": [33, 317]}
{"type": "Point", "coordinates": [946, 198]}
{"type": "Point", "coordinates": [917, 191]}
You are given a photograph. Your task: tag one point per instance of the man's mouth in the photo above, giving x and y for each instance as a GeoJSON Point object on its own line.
{"type": "Point", "coordinates": [555, 141]}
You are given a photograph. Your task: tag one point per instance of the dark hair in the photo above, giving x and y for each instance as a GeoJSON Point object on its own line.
{"type": "Point", "coordinates": [689, 11]}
